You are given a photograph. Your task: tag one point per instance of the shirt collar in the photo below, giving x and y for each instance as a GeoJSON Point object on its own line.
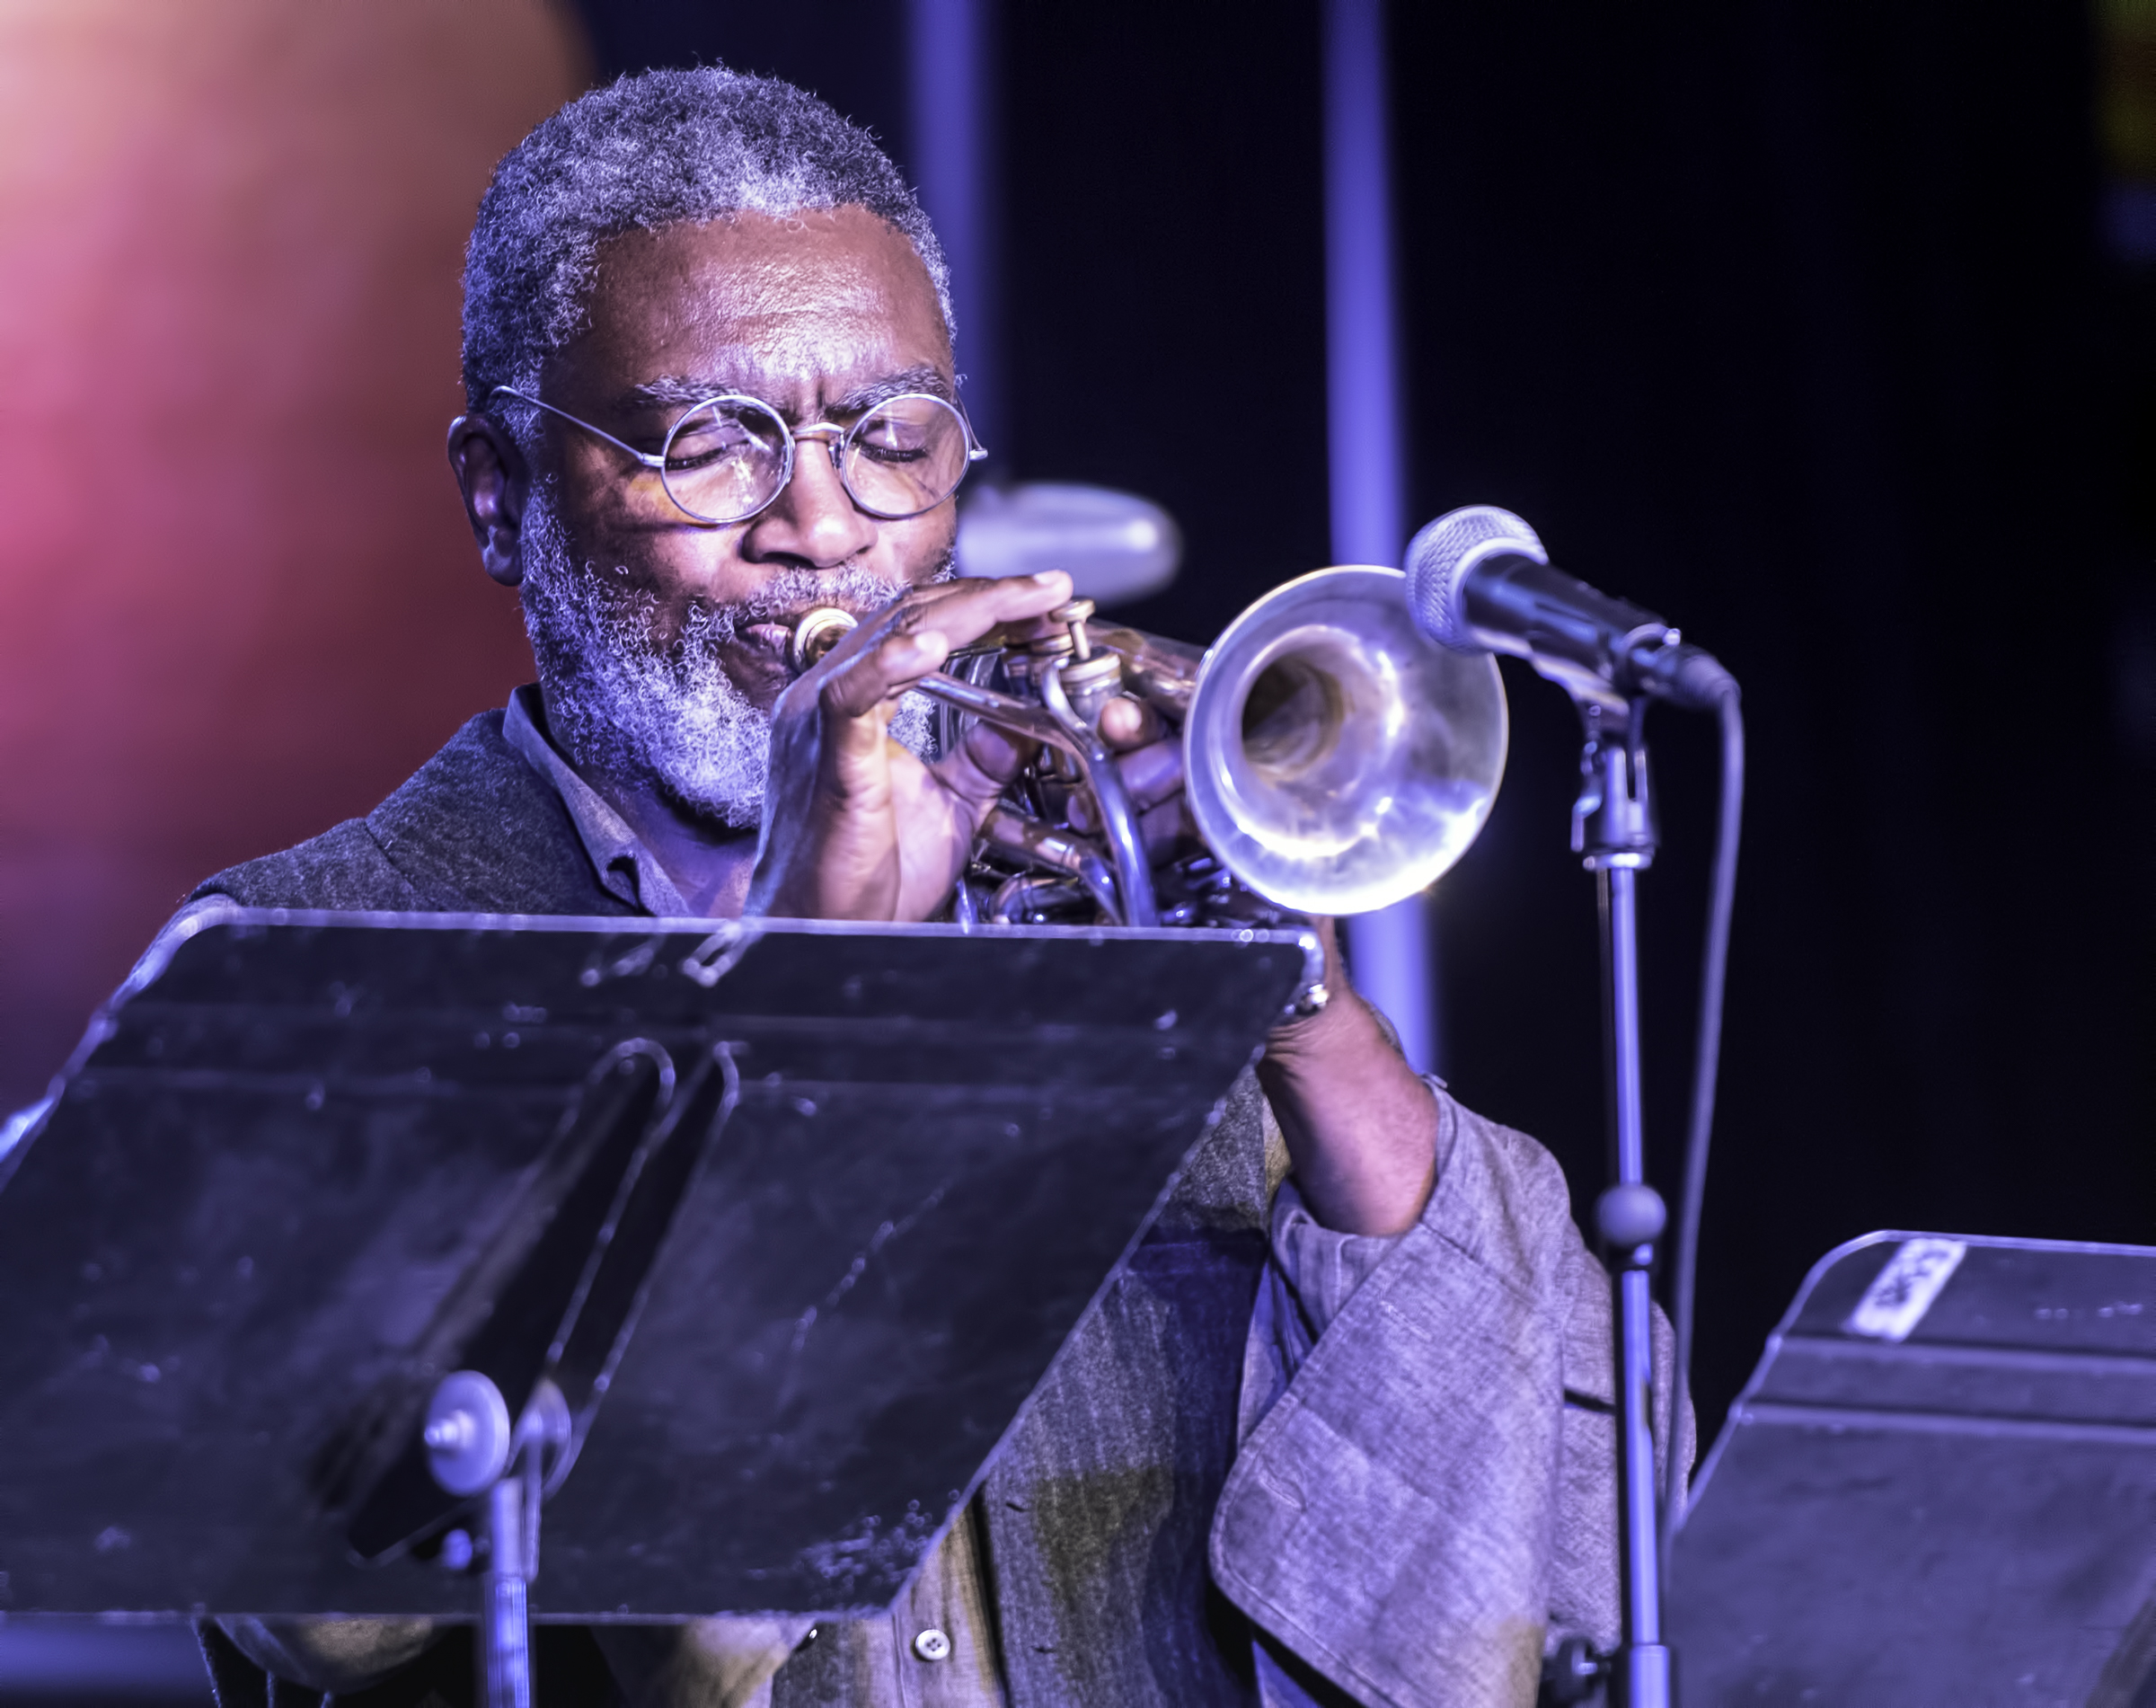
{"type": "Point", "coordinates": [627, 870]}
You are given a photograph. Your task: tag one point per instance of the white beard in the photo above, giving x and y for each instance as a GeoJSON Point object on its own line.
{"type": "Point", "coordinates": [619, 702]}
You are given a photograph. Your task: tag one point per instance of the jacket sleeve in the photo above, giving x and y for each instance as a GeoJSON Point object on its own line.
{"type": "Point", "coordinates": [1431, 1494]}
{"type": "Point", "coordinates": [1312, 1270]}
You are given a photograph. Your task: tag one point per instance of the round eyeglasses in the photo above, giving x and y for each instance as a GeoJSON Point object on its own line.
{"type": "Point", "coordinates": [730, 456]}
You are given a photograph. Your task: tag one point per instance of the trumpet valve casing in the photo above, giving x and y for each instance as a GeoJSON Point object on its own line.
{"type": "Point", "coordinates": [1092, 684]}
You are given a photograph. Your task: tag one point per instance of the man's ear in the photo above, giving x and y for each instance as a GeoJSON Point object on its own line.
{"type": "Point", "coordinates": [495, 480]}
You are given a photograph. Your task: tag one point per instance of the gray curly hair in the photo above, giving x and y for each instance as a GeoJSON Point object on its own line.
{"type": "Point", "coordinates": [659, 148]}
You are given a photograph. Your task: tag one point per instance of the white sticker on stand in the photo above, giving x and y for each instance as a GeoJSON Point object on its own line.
{"type": "Point", "coordinates": [1896, 1301]}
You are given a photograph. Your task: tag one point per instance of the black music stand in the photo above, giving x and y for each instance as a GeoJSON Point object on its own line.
{"type": "Point", "coordinates": [1938, 1487]}
{"type": "Point", "coordinates": [849, 1187]}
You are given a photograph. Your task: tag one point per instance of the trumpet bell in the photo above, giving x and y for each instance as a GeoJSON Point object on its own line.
{"type": "Point", "coordinates": [1337, 759]}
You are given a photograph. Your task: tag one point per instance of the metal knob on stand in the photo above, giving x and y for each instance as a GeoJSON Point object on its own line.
{"type": "Point", "coordinates": [471, 1450]}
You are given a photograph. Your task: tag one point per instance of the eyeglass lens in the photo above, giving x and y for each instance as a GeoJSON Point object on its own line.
{"type": "Point", "coordinates": [726, 458]}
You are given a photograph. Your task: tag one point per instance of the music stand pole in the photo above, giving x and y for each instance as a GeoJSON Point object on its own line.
{"type": "Point", "coordinates": [1613, 829]}
{"type": "Point", "coordinates": [471, 1450]}
{"type": "Point", "coordinates": [505, 1634]}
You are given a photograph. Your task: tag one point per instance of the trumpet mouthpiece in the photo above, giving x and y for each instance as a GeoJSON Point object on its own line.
{"type": "Point", "coordinates": [816, 634]}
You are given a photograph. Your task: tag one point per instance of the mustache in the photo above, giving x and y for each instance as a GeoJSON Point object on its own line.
{"type": "Point", "coordinates": [708, 624]}
{"type": "Point", "coordinates": [787, 592]}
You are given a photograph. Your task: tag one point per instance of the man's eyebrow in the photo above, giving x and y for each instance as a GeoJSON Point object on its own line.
{"type": "Point", "coordinates": [682, 390]}
{"type": "Point", "coordinates": [919, 379]}
{"type": "Point", "coordinates": [673, 388]}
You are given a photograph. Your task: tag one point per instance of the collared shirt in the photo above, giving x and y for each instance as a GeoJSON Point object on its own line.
{"type": "Point", "coordinates": [627, 870]}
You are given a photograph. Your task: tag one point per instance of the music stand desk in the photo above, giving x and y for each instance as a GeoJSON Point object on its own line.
{"type": "Point", "coordinates": [284, 1150]}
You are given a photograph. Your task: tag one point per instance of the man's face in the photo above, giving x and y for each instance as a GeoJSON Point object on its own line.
{"type": "Point", "coordinates": [654, 620]}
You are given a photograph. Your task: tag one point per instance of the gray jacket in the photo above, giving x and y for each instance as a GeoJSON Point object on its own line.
{"type": "Point", "coordinates": [1405, 1509]}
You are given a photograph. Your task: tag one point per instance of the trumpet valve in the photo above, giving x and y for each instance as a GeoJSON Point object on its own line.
{"type": "Point", "coordinates": [1092, 684]}
{"type": "Point", "coordinates": [1074, 616]}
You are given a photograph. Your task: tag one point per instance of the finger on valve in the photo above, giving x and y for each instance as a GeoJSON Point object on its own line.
{"type": "Point", "coordinates": [1151, 776]}
{"type": "Point", "coordinates": [1167, 831]}
{"type": "Point", "coordinates": [1127, 722]}
{"type": "Point", "coordinates": [966, 611]}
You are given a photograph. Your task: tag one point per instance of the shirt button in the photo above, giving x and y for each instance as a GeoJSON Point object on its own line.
{"type": "Point", "coordinates": [933, 1645]}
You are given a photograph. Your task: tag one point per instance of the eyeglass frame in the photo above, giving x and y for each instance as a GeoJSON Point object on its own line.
{"type": "Point", "coordinates": [836, 437]}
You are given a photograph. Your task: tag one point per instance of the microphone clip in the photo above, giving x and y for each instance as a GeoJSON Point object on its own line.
{"type": "Point", "coordinates": [1613, 817]}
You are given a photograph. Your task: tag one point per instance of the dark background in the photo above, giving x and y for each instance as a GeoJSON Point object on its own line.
{"type": "Point", "coordinates": [1796, 322]}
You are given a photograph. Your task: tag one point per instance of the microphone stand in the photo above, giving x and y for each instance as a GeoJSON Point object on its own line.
{"type": "Point", "coordinates": [1615, 832]}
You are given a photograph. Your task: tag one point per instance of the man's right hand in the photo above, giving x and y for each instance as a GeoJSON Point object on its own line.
{"type": "Point", "coordinates": [856, 826]}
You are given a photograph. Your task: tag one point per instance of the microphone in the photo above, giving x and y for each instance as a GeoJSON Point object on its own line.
{"type": "Point", "coordinates": [1479, 580]}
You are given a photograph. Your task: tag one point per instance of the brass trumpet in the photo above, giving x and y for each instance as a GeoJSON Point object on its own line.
{"type": "Point", "coordinates": [1336, 759]}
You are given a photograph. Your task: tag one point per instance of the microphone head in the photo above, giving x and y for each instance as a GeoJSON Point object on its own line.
{"type": "Point", "coordinates": [1441, 555]}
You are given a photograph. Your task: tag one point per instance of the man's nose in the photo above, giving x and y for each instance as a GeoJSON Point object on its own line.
{"type": "Point", "coordinates": [815, 520]}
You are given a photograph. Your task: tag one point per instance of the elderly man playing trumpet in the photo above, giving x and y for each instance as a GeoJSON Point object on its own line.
{"type": "Point", "coordinates": [1353, 1445]}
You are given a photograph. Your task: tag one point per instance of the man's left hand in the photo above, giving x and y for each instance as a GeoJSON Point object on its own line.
{"type": "Point", "coordinates": [1361, 1125]}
